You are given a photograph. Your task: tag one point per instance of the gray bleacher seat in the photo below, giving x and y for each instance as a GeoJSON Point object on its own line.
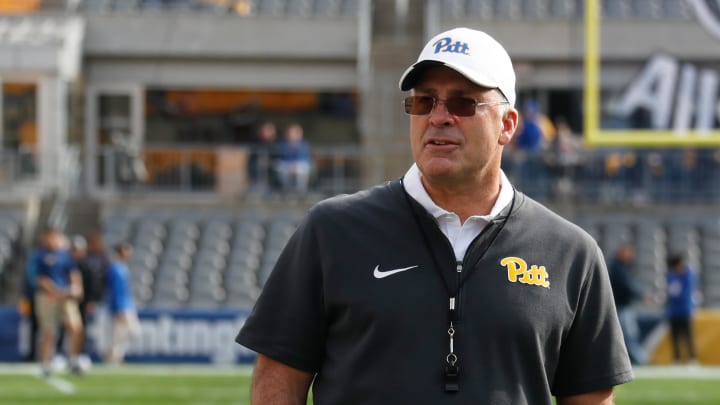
{"type": "Point", "coordinates": [684, 238]}
{"type": "Point", "coordinates": [211, 246]}
{"type": "Point", "coordinates": [617, 8]}
{"type": "Point", "coordinates": [10, 226]}
{"type": "Point", "coordinates": [169, 294]}
{"type": "Point", "coordinates": [247, 228]}
{"type": "Point", "coordinates": [10, 235]}
{"type": "Point", "coordinates": [650, 241]}
{"type": "Point", "coordinates": [536, 9]}
{"type": "Point", "coordinates": [615, 231]}
{"type": "Point", "coordinates": [241, 279]}
{"type": "Point", "coordinates": [95, 5]}
{"type": "Point", "coordinates": [125, 5]}
{"type": "Point", "coordinates": [117, 228]}
{"type": "Point", "coordinates": [511, 9]}
{"type": "Point", "coordinates": [330, 8]}
{"type": "Point", "coordinates": [245, 262]}
{"type": "Point", "coordinates": [217, 228]}
{"type": "Point", "coordinates": [710, 262]}
{"type": "Point", "coordinates": [177, 260]}
{"type": "Point", "coordinates": [564, 8]}
{"type": "Point", "coordinates": [241, 296]}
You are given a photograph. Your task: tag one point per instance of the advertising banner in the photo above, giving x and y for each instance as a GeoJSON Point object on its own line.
{"type": "Point", "coordinates": [166, 336]}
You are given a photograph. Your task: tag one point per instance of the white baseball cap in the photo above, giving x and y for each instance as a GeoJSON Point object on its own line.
{"type": "Point", "coordinates": [472, 53]}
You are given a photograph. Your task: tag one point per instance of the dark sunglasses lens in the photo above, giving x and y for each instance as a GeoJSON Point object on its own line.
{"type": "Point", "coordinates": [460, 106]}
{"type": "Point", "coordinates": [418, 105]}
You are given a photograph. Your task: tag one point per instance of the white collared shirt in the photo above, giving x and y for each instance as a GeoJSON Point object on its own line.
{"type": "Point", "coordinates": [460, 235]}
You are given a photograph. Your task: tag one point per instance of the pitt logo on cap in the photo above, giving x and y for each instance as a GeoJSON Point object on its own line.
{"type": "Point", "coordinates": [517, 270]}
{"type": "Point", "coordinates": [447, 45]}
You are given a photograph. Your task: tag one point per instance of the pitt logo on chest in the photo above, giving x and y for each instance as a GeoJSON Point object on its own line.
{"type": "Point", "coordinates": [518, 271]}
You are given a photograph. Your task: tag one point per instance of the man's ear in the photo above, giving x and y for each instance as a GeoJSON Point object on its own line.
{"type": "Point", "coordinates": [509, 126]}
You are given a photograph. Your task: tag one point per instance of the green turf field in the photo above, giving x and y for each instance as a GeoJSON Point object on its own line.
{"type": "Point", "coordinates": [185, 385]}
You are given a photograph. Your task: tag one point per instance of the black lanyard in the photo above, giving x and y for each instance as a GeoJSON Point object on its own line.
{"type": "Point", "coordinates": [486, 238]}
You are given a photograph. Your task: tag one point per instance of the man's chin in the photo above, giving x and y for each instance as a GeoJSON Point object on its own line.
{"type": "Point", "coordinates": [438, 167]}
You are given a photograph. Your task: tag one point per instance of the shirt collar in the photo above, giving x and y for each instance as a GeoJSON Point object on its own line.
{"type": "Point", "coordinates": [413, 185]}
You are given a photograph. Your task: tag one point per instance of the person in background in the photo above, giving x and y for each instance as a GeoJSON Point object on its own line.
{"type": "Point", "coordinates": [261, 161]}
{"type": "Point", "coordinates": [680, 286]}
{"type": "Point", "coordinates": [27, 302]}
{"type": "Point", "coordinates": [93, 268]}
{"type": "Point", "coordinates": [59, 289]}
{"type": "Point", "coordinates": [627, 292]}
{"type": "Point", "coordinates": [447, 286]}
{"type": "Point", "coordinates": [294, 162]}
{"type": "Point", "coordinates": [530, 136]}
{"type": "Point", "coordinates": [121, 304]}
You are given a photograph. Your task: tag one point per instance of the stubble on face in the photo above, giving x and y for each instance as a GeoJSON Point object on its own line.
{"type": "Point", "coordinates": [456, 152]}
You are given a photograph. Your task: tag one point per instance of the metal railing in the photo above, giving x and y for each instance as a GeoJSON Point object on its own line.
{"type": "Point", "coordinates": [611, 176]}
{"type": "Point", "coordinates": [590, 176]}
{"type": "Point", "coordinates": [605, 176]}
{"type": "Point", "coordinates": [235, 171]}
{"type": "Point", "coordinates": [562, 9]}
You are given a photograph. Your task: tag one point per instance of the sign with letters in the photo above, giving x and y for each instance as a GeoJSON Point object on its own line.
{"type": "Point", "coordinates": [670, 102]}
{"type": "Point", "coordinates": [166, 336]}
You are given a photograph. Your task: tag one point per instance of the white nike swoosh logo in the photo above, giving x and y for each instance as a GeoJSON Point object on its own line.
{"type": "Point", "coordinates": [382, 274]}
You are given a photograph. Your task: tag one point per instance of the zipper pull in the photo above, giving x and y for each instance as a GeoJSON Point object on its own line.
{"type": "Point", "coordinates": [453, 312]}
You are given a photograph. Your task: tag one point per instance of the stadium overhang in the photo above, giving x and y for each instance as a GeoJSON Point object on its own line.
{"type": "Point", "coordinates": [44, 52]}
{"type": "Point", "coordinates": [43, 45]}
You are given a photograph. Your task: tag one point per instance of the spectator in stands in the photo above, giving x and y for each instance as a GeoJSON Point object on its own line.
{"type": "Point", "coordinates": [121, 304]}
{"type": "Point", "coordinates": [530, 137]}
{"type": "Point", "coordinates": [528, 155]}
{"type": "Point", "coordinates": [93, 268]}
{"type": "Point", "coordinates": [681, 282]}
{"type": "Point", "coordinates": [627, 292]}
{"type": "Point", "coordinates": [294, 161]}
{"type": "Point", "coordinates": [566, 156]}
{"type": "Point", "coordinates": [447, 286]}
{"type": "Point", "coordinates": [59, 290]}
{"type": "Point", "coordinates": [261, 161]}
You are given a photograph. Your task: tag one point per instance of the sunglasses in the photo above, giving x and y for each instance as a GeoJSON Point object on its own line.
{"type": "Point", "coordinates": [460, 106]}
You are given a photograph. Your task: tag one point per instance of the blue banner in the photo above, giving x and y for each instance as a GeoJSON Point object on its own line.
{"type": "Point", "coordinates": [10, 330]}
{"type": "Point", "coordinates": [166, 336]}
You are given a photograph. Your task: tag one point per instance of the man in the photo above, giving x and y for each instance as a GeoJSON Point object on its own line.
{"type": "Point", "coordinates": [262, 157]}
{"type": "Point", "coordinates": [627, 292]}
{"type": "Point", "coordinates": [93, 267]}
{"type": "Point", "coordinates": [680, 286]}
{"type": "Point", "coordinates": [59, 289]}
{"type": "Point", "coordinates": [446, 286]}
{"type": "Point", "coordinates": [121, 304]}
{"type": "Point", "coordinates": [294, 161]}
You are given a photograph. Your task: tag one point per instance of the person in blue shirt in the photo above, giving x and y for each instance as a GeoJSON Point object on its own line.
{"type": "Point", "coordinates": [58, 291]}
{"type": "Point", "coordinates": [681, 281]}
{"type": "Point", "coordinates": [294, 161]}
{"type": "Point", "coordinates": [27, 302]}
{"type": "Point", "coordinates": [530, 136]}
{"type": "Point", "coordinates": [121, 304]}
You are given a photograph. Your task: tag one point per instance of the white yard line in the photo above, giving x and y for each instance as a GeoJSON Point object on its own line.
{"type": "Point", "coordinates": [679, 372]}
{"type": "Point", "coordinates": [64, 386]}
{"type": "Point", "coordinates": [689, 372]}
{"type": "Point", "coordinates": [138, 369]}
